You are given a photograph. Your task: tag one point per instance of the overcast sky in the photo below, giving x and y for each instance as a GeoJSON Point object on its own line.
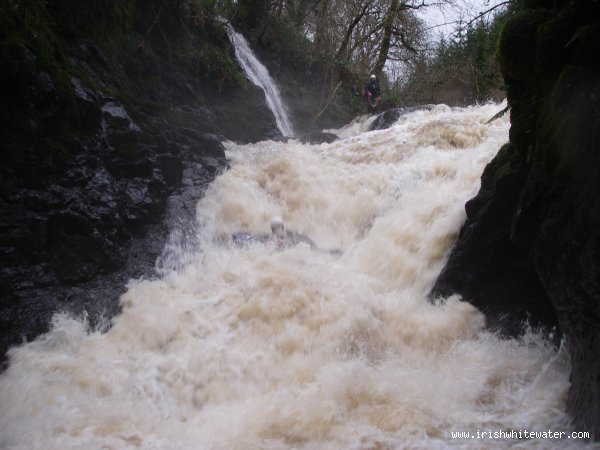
{"type": "Point", "coordinates": [465, 10]}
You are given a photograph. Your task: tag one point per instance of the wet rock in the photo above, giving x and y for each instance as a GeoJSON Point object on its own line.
{"type": "Point", "coordinates": [46, 94]}
{"type": "Point", "coordinates": [318, 137]}
{"type": "Point", "coordinates": [213, 160]}
{"type": "Point", "coordinates": [124, 167]}
{"type": "Point", "coordinates": [557, 222]}
{"type": "Point", "coordinates": [391, 116]}
{"type": "Point", "coordinates": [485, 267]}
{"type": "Point", "coordinates": [86, 113]}
{"type": "Point", "coordinates": [75, 245]}
{"type": "Point", "coordinates": [171, 168]}
{"type": "Point", "coordinates": [98, 139]}
{"type": "Point", "coordinates": [115, 116]}
{"type": "Point", "coordinates": [536, 216]}
{"type": "Point", "coordinates": [210, 145]}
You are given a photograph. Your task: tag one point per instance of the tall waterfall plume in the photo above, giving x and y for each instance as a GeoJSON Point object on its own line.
{"type": "Point", "coordinates": [259, 75]}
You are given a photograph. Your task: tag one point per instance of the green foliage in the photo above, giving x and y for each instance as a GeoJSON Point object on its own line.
{"type": "Point", "coordinates": [250, 15]}
{"type": "Point", "coordinates": [100, 18]}
{"type": "Point", "coordinates": [142, 43]}
{"type": "Point", "coordinates": [33, 31]}
{"type": "Point", "coordinates": [27, 45]}
{"type": "Point", "coordinates": [217, 64]}
{"type": "Point", "coordinates": [291, 47]}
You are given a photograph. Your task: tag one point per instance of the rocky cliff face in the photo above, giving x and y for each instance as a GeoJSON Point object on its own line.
{"type": "Point", "coordinates": [531, 243]}
{"type": "Point", "coordinates": [107, 115]}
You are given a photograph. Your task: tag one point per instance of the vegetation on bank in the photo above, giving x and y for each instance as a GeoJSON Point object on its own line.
{"type": "Point", "coordinates": [321, 50]}
{"type": "Point", "coordinates": [461, 69]}
{"type": "Point", "coordinates": [334, 45]}
{"type": "Point", "coordinates": [53, 53]}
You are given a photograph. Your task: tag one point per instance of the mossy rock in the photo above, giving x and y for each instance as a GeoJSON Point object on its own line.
{"type": "Point", "coordinates": [518, 44]}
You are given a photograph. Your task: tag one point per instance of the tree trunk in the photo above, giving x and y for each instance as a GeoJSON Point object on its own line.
{"type": "Point", "coordinates": [279, 10]}
{"type": "Point", "coordinates": [346, 41]}
{"type": "Point", "coordinates": [388, 28]}
{"type": "Point", "coordinates": [322, 38]}
{"type": "Point", "coordinates": [299, 13]}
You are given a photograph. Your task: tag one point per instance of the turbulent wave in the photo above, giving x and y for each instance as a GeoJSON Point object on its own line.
{"type": "Point", "coordinates": [258, 348]}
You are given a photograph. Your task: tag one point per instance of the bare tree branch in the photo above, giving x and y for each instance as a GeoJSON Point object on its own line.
{"type": "Point", "coordinates": [330, 98]}
{"type": "Point", "coordinates": [473, 20]}
{"type": "Point", "coordinates": [480, 15]}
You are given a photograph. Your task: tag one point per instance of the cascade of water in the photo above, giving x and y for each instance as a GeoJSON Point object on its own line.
{"type": "Point", "coordinates": [259, 75]}
{"type": "Point", "coordinates": [259, 348]}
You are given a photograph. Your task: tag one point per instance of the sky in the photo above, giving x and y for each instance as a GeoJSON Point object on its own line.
{"type": "Point", "coordinates": [437, 16]}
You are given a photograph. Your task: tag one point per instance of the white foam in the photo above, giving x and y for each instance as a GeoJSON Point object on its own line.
{"type": "Point", "coordinates": [255, 348]}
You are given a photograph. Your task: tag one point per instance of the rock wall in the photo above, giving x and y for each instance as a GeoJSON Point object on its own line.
{"type": "Point", "coordinates": [531, 243]}
{"type": "Point", "coordinates": [104, 112]}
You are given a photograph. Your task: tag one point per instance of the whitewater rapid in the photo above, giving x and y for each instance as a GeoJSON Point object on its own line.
{"type": "Point", "coordinates": [254, 348]}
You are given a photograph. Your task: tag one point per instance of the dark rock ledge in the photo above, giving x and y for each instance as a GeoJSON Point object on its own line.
{"type": "Point", "coordinates": [102, 153]}
{"type": "Point", "coordinates": [530, 249]}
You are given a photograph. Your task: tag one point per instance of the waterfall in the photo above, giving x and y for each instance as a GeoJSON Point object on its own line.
{"type": "Point", "coordinates": [258, 347]}
{"type": "Point", "coordinates": [259, 75]}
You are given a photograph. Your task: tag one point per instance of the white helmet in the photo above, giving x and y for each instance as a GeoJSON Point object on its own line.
{"type": "Point", "coordinates": [276, 223]}
{"type": "Point", "coordinates": [373, 77]}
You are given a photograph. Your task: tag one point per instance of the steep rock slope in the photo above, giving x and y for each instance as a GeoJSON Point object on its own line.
{"type": "Point", "coordinates": [531, 245]}
{"type": "Point", "coordinates": [105, 111]}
